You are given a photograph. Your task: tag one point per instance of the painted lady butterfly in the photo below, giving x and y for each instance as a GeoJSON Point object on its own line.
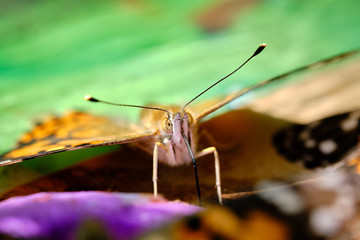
{"type": "Point", "coordinates": [168, 132]}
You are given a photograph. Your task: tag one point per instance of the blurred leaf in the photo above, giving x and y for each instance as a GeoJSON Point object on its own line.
{"type": "Point", "coordinates": [53, 53]}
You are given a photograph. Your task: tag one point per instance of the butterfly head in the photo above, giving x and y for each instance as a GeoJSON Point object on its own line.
{"type": "Point", "coordinates": [171, 128]}
{"type": "Point", "coordinates": [169, 123]}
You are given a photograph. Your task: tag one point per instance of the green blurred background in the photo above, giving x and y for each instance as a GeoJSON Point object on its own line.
{"type": "Point", "coordinates": [52, 53]}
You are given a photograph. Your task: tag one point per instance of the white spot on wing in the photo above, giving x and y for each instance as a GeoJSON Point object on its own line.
{"type": "Point", "coordinates": [323, 221]}
{"type": "Point", "coordinates": [327, 219]}
{"type": "Point", "coordinates": [282, 196]}
{"type": "Point", "coordinates": [350, 123]}
{"type": "Point", "coordinates": [327, 146]}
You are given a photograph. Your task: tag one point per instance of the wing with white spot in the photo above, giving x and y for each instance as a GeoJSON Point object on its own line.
{"type": "Point", "coordinates": [320, 143]}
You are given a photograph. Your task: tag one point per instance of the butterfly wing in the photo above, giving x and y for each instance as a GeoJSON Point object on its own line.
{"type": "Point", "coordinates": [321, 142]}
{"type": "Point", "coordinates": [75, 130]}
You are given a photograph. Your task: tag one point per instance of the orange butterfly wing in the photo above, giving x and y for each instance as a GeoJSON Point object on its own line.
{"type": "Point", "coordinates": [75, 130]}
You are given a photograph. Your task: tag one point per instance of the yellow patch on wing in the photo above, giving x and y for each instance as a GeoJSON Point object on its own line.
{"type": "Point", "coordinates": [56, 148]}
{"type": "Point", "coordinates": [72, 131]}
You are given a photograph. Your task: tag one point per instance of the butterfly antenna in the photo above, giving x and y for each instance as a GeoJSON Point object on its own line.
{"type": "Point", "coordinates": [258, 50]}
{"type": "Point", "coordinates": [92, 99]}
{"type": "Point", "coordinates": [244, 91]}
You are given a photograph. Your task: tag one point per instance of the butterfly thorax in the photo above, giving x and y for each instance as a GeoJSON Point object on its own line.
{"type": "Point", "coordinates": [169, 127]}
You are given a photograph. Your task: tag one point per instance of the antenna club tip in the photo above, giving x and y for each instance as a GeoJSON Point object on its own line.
{"type": "Point", "coordinates": [259, 49]}
{"type": "Point", "coordinates": [90, 98]}
{"type": "Point", "coordinates": [87, 97]}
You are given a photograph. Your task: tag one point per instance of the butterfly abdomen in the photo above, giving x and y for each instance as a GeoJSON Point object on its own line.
{"type": "Point", "coordinates": [320, 143]}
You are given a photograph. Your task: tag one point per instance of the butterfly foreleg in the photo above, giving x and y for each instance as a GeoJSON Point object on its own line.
{"type": "Point", "coordinates": [212, 150]}
{"type": "Point", "coordinates": [155, 167]}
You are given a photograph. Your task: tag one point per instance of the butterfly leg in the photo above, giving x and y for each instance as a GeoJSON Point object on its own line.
{"type": "Point", "coordinates": [155, 167]}
{"type": "Point", "coordinates": [212, 150]}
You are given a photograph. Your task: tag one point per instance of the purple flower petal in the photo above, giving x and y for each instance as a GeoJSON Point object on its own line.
{"type": "Point", "coordinates": [62, 215]}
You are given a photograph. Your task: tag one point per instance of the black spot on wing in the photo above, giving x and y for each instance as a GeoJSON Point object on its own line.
{"type": "Point", "coordinates": [193, 222]}
{"type": "Point", "coordinates": [317, 144]}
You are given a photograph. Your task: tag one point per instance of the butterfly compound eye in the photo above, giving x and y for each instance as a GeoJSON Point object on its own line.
{"type": "Point", "coordinates": [168, 124]}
